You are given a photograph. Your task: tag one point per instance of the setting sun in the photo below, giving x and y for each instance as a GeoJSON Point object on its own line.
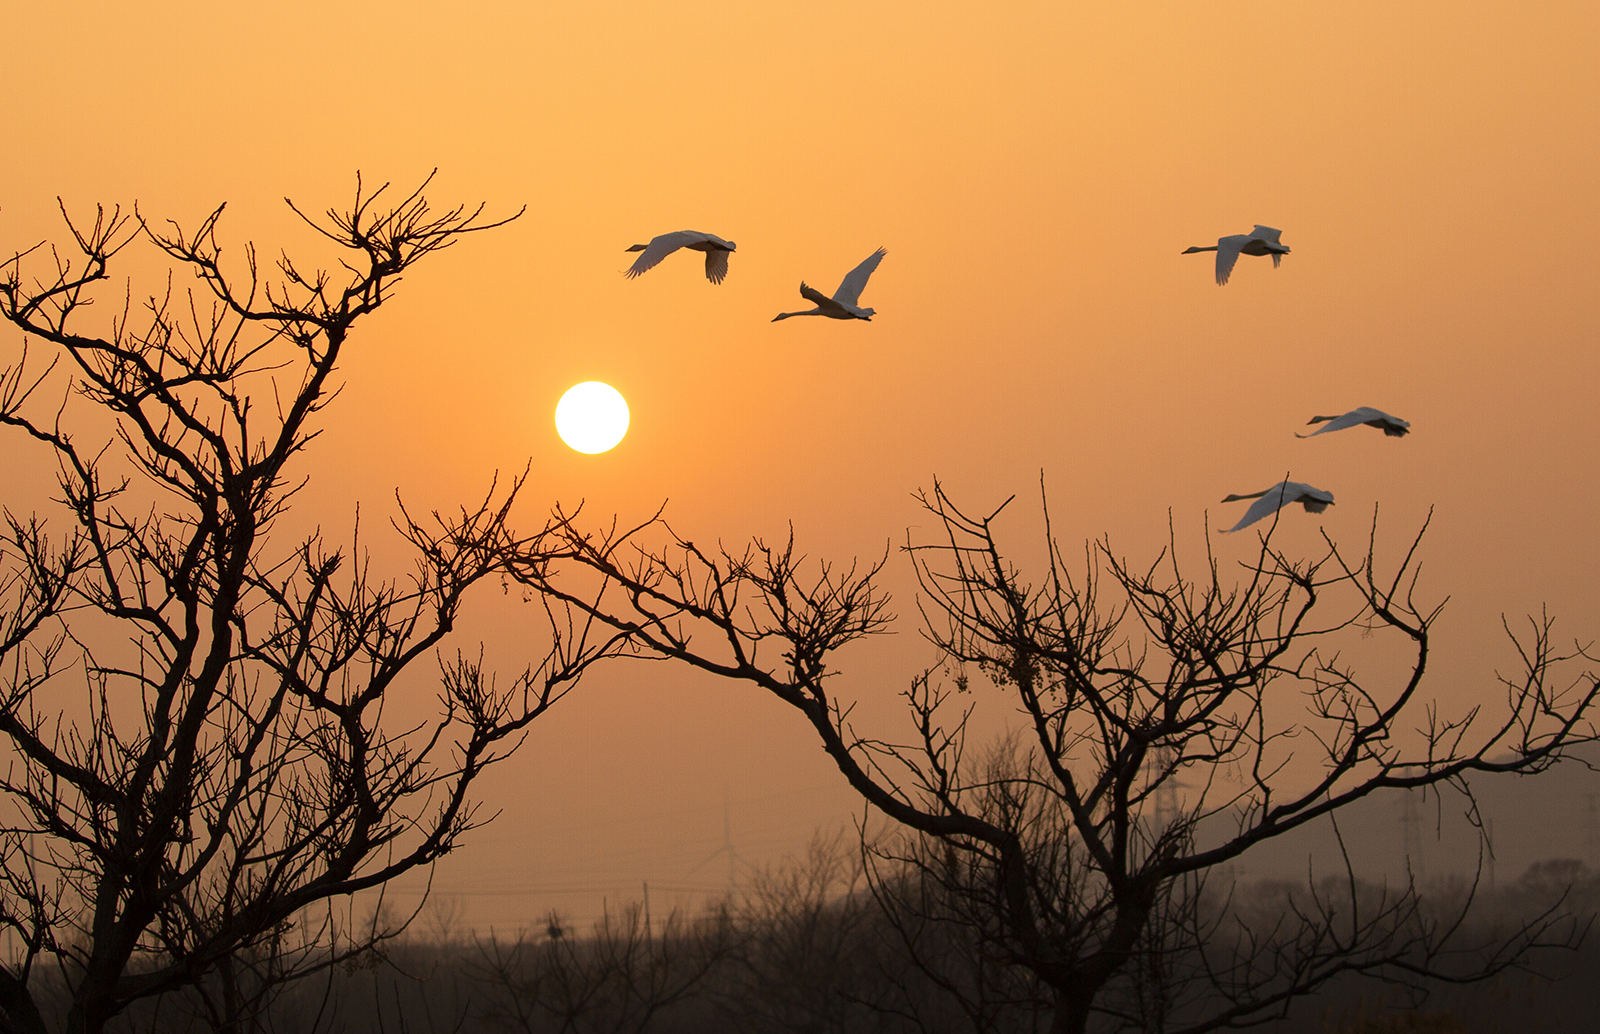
{"type": "Point", "coordinates": [592, 417]}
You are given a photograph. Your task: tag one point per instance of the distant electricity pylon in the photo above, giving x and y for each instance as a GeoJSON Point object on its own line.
{"type": "Point", "coordinates": [1488, 832]}
{"type": "Point", "coordinates": [1592, 832]}
{"type": "Point", "coordinates": [1411, 829]}
{"type": "Point", "coordinates": [734, 859]}
{"type": "Point", "coordinates": [1166, 792]}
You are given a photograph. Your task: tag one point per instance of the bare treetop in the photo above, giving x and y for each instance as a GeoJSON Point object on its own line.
{"type": "Point", "coordinates": [255, 777]}
{"type": "Point", "coordinates": [1161, 715]}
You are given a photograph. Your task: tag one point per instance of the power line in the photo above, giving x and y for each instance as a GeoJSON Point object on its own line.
{"type": "Point", "coordinates": [500, 830]}
{"type": "Point", "coordinates": [524, 892]}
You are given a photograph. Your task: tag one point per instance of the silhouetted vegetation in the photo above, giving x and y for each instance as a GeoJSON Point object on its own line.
{"type": "Point", "coordinates": [199, 770]}
{"type": "Point", "coordinates": [1170, 725]}
{"type": "Point", "coordinates": [807, 948]}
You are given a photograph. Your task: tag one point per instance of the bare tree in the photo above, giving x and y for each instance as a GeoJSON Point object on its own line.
{"type": "Point", "coordinates": [1080, 860]}
{"type": "Point", "coordinates": [813, 955]}
{"type": "Point", "coordinates": [194, 710]}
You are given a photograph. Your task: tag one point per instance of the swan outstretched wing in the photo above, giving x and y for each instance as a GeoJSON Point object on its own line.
{"type": "Point", "coordinates": [1268, 504]}
{"type": "Point", "coordinates": [855, 281]}
{"type": "Point", "coordinates": [1227, 255]}
{"type": "Point", "coordinates": [716, 265]}
{"type": "Point", "coordinates": [816, 297]}
{"type": "Point", "coordinates": [1339, 423]}
{"type": "Point", "coordinates": [660, 247]}
{"type": "Point", "coordinates": [824, 304]}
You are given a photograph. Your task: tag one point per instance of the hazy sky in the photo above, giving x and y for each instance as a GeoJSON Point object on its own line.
{"type": "Point", "coordinates": [1034, 175]}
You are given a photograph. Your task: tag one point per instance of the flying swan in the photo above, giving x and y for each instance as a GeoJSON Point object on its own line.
{"type": "Point", "coordinates": [842, 306]}
{"type": "Point", "coordinates": [1392, 426]}
{"type": "Point", "coordinates": [1263, 240]}
{"type": "Point", "coordinates": [715, 247]}
{"type": "Point", "coordinates": [1269, 500]}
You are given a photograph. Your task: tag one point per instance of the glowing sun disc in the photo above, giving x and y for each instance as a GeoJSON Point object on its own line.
{"type": "Point", "coordinates": [592, 417]}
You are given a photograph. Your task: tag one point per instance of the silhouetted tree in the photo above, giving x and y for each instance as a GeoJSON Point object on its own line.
{"type": "Point", "coordinates": [812, 957]}
{"type": "Point", "coordinates": [194, 710]}
{"type": "Point", "coordinates": [1081, 855]}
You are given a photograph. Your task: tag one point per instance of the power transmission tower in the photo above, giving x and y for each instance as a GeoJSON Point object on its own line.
{"type": "Point", "coordinates": [1411, 833]}
{"type": "Point", "coordinates": [1488, 832]}
{"type": "Point", "coordinates": [1592, 832]}
{"type": "Point", "coordinates": [727, 848]}
{"type": "Point", "coordinates": [1166, 792]}
{"type": "Point", "coordinates": [727, 845]}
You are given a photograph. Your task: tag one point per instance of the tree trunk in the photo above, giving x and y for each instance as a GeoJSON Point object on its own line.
{"type": "Point", "coordinates": [1072, 1012]}
{"type": "Point", "coordinates": [18, 1013]}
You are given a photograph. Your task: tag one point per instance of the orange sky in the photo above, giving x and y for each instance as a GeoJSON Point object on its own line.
{"type": "Point", "coordinates": [1034, 175]}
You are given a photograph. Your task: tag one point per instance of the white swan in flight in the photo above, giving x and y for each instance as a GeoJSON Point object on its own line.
{"type": "Point", "coordinates": [715, 247]}
{"type": "Point", "coordinates": [842, 306]}
{"type": "Point", "coordinates": [1269, 500]}
{"type": "Point", "coordinates": [1263, 240]}
{"type": "Point", "coordinates": [1392, 426]}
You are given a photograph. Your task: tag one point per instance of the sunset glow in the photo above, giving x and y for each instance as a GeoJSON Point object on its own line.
{"type": "Point", "coordinates": [1035, 171]}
